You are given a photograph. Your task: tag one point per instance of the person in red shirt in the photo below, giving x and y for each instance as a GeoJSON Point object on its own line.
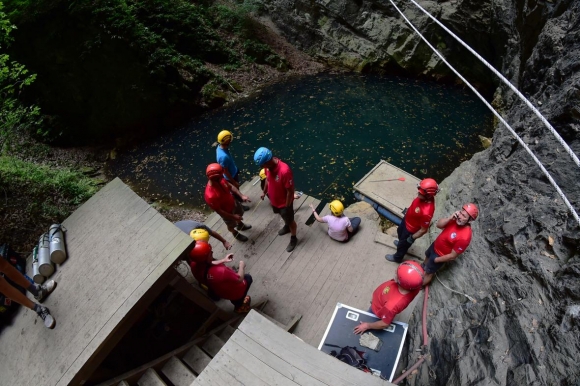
{"type": "Point", "coordinates": [220, 280]}
{"type": "Point", "coordinates": [452, 242]}
{"type": "Point", "coordinates": [393, 296]}
{"type": "Point", "coordinates": [417, 219]}
{"type": "Point", "coordinates": [280, 190]}
{"type": "Point", "coordinates": [219, 196]}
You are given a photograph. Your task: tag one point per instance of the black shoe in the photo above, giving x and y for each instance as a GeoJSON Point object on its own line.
{"type": "Point", "coordinates": [246, 208]}
{"type": "Point", "coordinates": [240, 237]}
{"type": "Point", "coordinates": [243, 227]}
{"type": "Point", "coordinates": [284, 230]}
{"type": "Point", "coordinates": [292, 245]}
{"type": "Point", "coordinates": [396, 242]}
{"type": "Point", "coordinates": [391, 258]}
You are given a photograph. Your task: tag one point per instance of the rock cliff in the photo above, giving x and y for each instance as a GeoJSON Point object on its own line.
{"type": "Point", "coordinates": [522, 267]}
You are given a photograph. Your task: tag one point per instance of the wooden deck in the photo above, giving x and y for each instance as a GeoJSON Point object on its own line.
{"type": "Point", "coordinates": [394, 195]}
{"type": "Point", "coordinates": [120, 256]}
{"type": "Point", "coordinates": [261, 354]}
{"type": "Point", "coordinates": [319, 273]}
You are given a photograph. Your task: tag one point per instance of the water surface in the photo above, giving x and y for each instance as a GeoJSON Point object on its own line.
{"type": "Point", "coordinates": [331, 129]}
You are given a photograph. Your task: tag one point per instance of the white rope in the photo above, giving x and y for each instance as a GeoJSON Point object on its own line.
{"type": "Point", "coordinates": [508, 83]}
{"type": "Point", "coordinates": [536, 160]}
{"type": "Point", "coordinates": [452, 290]}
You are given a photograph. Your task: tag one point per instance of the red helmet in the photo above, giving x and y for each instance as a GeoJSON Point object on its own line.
{"type": "Point", "coordinates": [214, 170]}
{"type": "Point", "coordinates": [410, 275]}
{"type": "Point", "coordinates": [200, 252]}
{"type": "Point", "coordinates": [471, 210]}
{"type": "Point", "coordinates": [428, 187]}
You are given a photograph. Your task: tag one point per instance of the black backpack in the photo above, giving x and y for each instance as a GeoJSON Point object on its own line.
{"type": "Point", "coordinates": [351, 356]}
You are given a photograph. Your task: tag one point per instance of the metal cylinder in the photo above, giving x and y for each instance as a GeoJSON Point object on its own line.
{"type": "Point", "coordinates": [36, 276]}
{"type": "Point", "coordinates": [45, 266]}
{"type": "Point", "coordinates": [57, 251]}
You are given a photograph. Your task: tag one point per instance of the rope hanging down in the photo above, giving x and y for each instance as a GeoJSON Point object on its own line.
{"type": "Point", "coordinates": [536, 160]}
{"type": "Point", "coordinates": [508, 83]}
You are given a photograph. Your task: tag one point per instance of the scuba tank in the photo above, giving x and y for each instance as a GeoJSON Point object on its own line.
{"type": "Point", "coordinates": [36, 276]}
{"type": "Point", "coordinates": [44, 264]}
{"type": "Point", "coordinates": [57, 251]}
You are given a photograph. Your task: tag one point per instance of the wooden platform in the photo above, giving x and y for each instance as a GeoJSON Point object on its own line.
{"type": "Point", "coordinates": [319, 273]}
{"type": "Point", "coordinates": [393, 195]}
{"type": "Point", "coordinates": [120, 256]}
{"type": "Point", "coordinates": [261, 354]}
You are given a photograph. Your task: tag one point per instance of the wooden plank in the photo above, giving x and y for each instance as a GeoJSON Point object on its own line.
{"type": "Point", "coordinates": [233, 371]}
{"type": "Point", "coordinates": [195, 294]}
{"type": "Point", "coordinates": [197, 359]}
{"type": "Point", "coordinates": [226, 333]}
{"type": "Point", "coordinates": [177, 373]}
{"type": "Point", "coordinates": [318, 365]}
{"type": "Point", "coordinates": [211, 377]}
{"type": "Point", "coordinates": [212, 345]}
{"type": "Point", "coordinates": [151, 378]}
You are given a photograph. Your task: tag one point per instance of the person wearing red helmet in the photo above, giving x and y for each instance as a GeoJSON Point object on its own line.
{"type": "Point", "coordinates": [219, 195]}
{"type": "Point", "coordinates": [220, 280]}
{"type": "Point", "coordinates": [452, 242]}
{"type": "Point", "coordinates": [393, 296]}
{"type": "Point", "coordinates": [417, 219]}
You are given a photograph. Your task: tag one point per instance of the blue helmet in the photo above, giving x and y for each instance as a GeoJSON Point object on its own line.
{"type": "Point", "coordinates": [262, 156]}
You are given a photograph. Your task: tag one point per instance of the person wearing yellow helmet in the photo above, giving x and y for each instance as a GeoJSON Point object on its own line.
{"type": "Point", "coordinates": [226, 160]}
{"type": "Point", "coordinates": [340, 227]}
{"type": "Point", "coordinates": [189, 226]}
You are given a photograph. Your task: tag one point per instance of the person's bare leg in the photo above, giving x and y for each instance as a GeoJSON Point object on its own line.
{"type": "Point", "coordinates": [13, 294]}
{"type": "Point", "coordinates": [427, 279]}
{"type": "Point", "coordinates": [13, 274]}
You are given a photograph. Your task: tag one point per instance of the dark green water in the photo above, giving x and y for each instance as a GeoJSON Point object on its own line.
{"type": "Point", "coordinates": [330, 129]}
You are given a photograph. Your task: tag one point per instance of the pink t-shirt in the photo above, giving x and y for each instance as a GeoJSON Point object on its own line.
{"type": "Point", "coordinates": [280, 179]}
{"type": "Point", "coordinates": [337, 227]}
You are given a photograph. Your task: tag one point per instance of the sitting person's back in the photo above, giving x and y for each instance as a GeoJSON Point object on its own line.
{"type": "Point", "coordinates": [340, 227]}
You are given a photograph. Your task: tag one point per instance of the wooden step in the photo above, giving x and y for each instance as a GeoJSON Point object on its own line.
{"type": "Point", "coordinates": [178, 373]}
{"type": "Point", "coordinates": [151, 378]}
{"type": "Point", "coordinates": [197, 359]}
{"type": "Point", "coordinates": [227, 332]}
{"type": "Point", "coordinates": [212, 345]}
{"type": "Point", "coordinates": [123, 383]}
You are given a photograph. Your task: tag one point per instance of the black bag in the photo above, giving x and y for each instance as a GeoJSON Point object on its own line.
{"type": "Point", "coordinates": [351, 356]}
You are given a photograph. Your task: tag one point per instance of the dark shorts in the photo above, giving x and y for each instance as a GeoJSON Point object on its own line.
{"type": "Point", "coordinates": [288, 217]}
{"type": "Point", "coordinates": [430, 265]}
{"type": "Point", "coordinates": [238, 209]}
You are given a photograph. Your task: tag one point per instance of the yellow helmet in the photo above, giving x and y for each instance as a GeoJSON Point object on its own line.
{"type": "Point", "coordinates": [224, 136]}
{"type": "Point", "coordinates": [336, 208]}
{"type": "Point", "coordinates": [263, 174]}
{"type": "Point", "coordinates": [199, 234]}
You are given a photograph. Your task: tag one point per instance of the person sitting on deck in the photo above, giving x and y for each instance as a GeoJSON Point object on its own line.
{"type": "Point", "coordinates": [200, 231]}
{"type": "Point", "coordinates": [340, 227]}
{"type": "Point", "coordinates": [220, 280]}
{"type": "Point", "coordinates": [393, 296]}
{"type": "Point", "coordinates": [219, 195]}
{"type": "Point", "coordinates": [40, 292]}
{"type": "Point", "coordinates": [417, 219]}
{"type": "Point", "coordinates": [225, 159]}
{"type": "Point", "coordinates": [452, 242]}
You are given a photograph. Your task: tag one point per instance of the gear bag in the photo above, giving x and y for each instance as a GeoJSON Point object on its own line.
{"type": "Point", "coordinates": [351, 356]}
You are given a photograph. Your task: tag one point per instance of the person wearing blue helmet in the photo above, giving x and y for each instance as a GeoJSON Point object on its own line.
{"type": "Point", "coordinates": [280, 190]}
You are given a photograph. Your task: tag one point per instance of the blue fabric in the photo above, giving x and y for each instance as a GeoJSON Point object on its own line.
{"type": "Point", "coordinates": [225, 159]}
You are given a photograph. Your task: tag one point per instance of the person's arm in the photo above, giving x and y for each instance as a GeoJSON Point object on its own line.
{"type": "Point", "coordinates": [230, 178]}
{"type": "Point", "coordinates": [316, 216]}
{"type": "Point", "coordinates": [241, 270]}
{"type": "Point", "coordinates": [229, 216]}
{"type": "Point", "coordinates": [448, 257]}
{"type": "Point", "coordinates": [229, 257]}
{"type": "Point", "coordinates": [349, 227]}
{"type": "Point", "coordinates": [216, 235]}
{"type": "Point", "coordinates": [265, 190]}
{"type": "Point", "coordinates": [289, 195]}
{"type": "Point", "coordinates": [362, 327]}
{"type": "Point", "coordinates": [237, 192]}
{"type": "Point", "coordinates": [442, 222]}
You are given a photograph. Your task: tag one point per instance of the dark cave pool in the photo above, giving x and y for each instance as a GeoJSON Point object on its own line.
{"type": "Point", "coordinates": [330, 129]}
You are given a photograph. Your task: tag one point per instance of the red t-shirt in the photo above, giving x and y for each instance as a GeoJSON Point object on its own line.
{"type": "Point", "coordinates": [388, 301]}
{"type": "Point", "coordinates": [280, 179]}
{"type": "Point", "coordinates": [453, 237]}
{"type": "Point", "coordinates": [222, 280]}
{"type": "Point", "coordinates": [419, 215]}
{"type": "Point", "coordinates": [219, 196]}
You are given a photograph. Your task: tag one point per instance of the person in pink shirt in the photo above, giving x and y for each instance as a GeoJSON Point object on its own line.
{"type": "Point", "coordinates": [279, 187]}
{"type": "Point", "coordinates": [452, 242]}
{"type": "Point", "coordinates": [340, 227]}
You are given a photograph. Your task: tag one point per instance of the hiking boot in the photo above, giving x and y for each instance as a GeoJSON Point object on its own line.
{"type": "Point", "coordinates": [284, 230]}
{"type": "Point", "coordinates": [45, 315]}
{"type": "Point", "coordinates": [45, 290]}
{"type": "Point", "coordinates": [292, 245]}
{"type": "Point", "coordinates": [391, 258]}
{"type": "Point", "coordinates": [243, 227]}
{"type": "Point", "coordinates": [396, 242]}
{"type": "Point", "coordinates": [245, 208]}
{"type": "Point", "coordinates": [240, 237]}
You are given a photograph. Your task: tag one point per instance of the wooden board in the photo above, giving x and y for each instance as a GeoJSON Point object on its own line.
{"type": "Point", "coordinates": [120, 256]}
{"type": "Point", "coordinates": [394, 195]}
